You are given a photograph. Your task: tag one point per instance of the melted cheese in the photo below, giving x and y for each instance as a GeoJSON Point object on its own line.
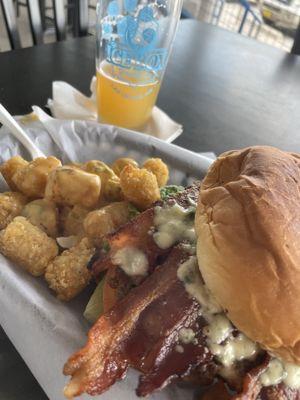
{"type": "Point", "coordinates": [219, 328]}
{"type": "Point", "coordinates": [173, 224]}
{"type": "Point", "coordinates": [274, 373]}
{"type": "Point", "coordinates": [132, 261]}
{"type": "Point", "coordinates": [188, 273]}
{"type": "Point", "coordinates": [221, 342]}
{"type": "Point", "coordinates": [227, 348]}
{"type": "Point", "coordinates": [189, 248]}
{"type": "Point", "coordinates": [192, 202]}
{"type": "Point", "coordinates": [233, 349]}
{"type": "Point", "coordinates": [179, 348]}
{"type": "Point", "coordinates": [186, 335]}
{"type": "Point", "coordinates": [292, 378]}
{"type": "Point", "coordinates": [278, 372]}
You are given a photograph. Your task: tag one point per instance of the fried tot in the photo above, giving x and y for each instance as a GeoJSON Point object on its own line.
{"type": "Point", "coordinates": [11, 205]}
{"type": "Point", "coordinates": [139, 186]}
{"type": "Point", "coordinates": [28, 246]}
{"type": "Point", "coordinates": [121, 163]}
{"type": "Point", "coordinates": [10, 167]}
{"type": "Point", "coordinates": [68, 274]}
{"type": "Point", "coordinates": [159, 169]}
{"type": "Point", "coordinates": [71, 186]}
{"type": "Point", "coordinates": [75, 165]}
{"type": "Point", "coordinates": [99, 223]}
{"type": "Point", "coordinates": [73, 221]}
{"type": "Point", "coordinates": [43, 214]}
{"type": "Point", "coordinates": [110, 182]}
{"type": "Point", "coordinates": [32, 179]}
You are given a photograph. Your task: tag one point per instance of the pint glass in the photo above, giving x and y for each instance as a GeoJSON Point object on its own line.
{"type": "Point", "coordinates": [134, 40]}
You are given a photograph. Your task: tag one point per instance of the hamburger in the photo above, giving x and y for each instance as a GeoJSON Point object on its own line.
{"type": "Point", "coordinates": [248, 244]}
{"type": "Point", "coordinates": [220, 299]}
{"type": "Point", "coordinates": [248, 235]}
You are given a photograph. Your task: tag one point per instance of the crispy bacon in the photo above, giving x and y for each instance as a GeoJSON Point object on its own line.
{"type": "Point", "coordinates": [251, 384]}
{"type": "Point", "coordinates": [278, 392]}
{"type": "Point", "coordinates": [217, 391]}
{"type": "Point", "coordinates": [116, 286]}
{"type": "Point", "coordinates": [142, 331]}
{"type": "Point", "coordinates": [138, 233]}
{"type": "Point", "coordinates": [171, 359]}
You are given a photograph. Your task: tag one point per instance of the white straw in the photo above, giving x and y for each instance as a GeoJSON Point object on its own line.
{"type": "Point", "coordinates": [7, 119]}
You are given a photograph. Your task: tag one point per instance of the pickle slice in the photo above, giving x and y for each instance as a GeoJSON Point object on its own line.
{"type": "Point", "coordinates": [94, 307]}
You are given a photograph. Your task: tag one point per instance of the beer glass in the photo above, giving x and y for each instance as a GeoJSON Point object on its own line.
{"type": "Point", "coordinates": [134, 40]}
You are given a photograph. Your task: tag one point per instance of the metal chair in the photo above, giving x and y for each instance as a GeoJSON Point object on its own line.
{"type": "Point", "coordinates": [35, 20]}
{"type": "Point", "coordinates": [296, 45]}
{"type": "Point", "coordinates": [10, 21]}
{"type": "Point", "coordinates": [256, 20]}
{"type": "Point", "coordinates": [81, 17]}
{"type": "Point", "coordinates": [80, 20]}
{"type": "Point", "coordinates": [185, 14]}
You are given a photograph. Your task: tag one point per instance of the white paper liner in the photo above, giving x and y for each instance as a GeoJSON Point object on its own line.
{"type": "Point", "coordinates": [44, 330]}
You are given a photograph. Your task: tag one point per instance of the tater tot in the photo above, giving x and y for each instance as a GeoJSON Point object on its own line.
{"type": "Point", "coordinates": [119, 164]}
{"type": "Point", "coordinates": [43, 214]}
{"type": "Point", "coordinates": [68, 274]}
{"type": "Point", "coordinates": [159, 169]}
{"type": "Point", "coordinates": [110, 182]}
{"type": "Point", "coordinates": [70, 186]}
{"type": "Point", "coordinates": [10, 167]}
{"type": "Point", "coordinates": [113, 191]}
{"type": "Point", "coordinates": [106, 220]}
{"type": "Point", "coordinates": [28, 246]}
{"type": "Point", "coordinates": [31, 180]}
{"type": "Point", "coordinates": [11, 205]}
{"type": "Point", "coordinates": [139, 186]}
{"type": "Point", "coordinates": [73, 221]}
{"type": "Point", "coordinates": [75, 165]}
{"type": "Point", "coordinates": [63, 213]}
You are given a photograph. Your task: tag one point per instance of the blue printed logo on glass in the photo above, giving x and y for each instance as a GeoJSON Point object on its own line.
{"type": "Point", "coordinates": [133, 40]}
{"type": "Point", "coordinates": [113, 8]}
{"type": "Point", "coordinates": [107, 29]}
{"type": "Point", "coordinates": [140, 33]}
{"type": "Point", "coordinates": [130, 5]}
{"type": "Point", "coordinates": [146, 14]}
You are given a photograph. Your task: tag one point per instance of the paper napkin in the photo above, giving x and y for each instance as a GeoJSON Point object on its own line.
{"type": "Point", "coordinates": [70, 103]}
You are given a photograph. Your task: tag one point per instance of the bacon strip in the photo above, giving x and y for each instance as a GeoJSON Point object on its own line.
{"type": "Point", "coordinates": [140, 333]}
{"type": "Point", "coordinates": [251, 384]}
{"type": "Point", "coordinates": [279, 392]}
{"type": "Point", "coordinates": [138, 233]}
{"type": "Point", "coordinates": [116, 286]}
{"type": "Point", "coordinates": [172, 359]}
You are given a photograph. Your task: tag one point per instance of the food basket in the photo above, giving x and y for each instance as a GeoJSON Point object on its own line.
{"type": "Point", "coordinates": [44, 330]}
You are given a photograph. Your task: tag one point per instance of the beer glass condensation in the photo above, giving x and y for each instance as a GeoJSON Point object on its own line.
{"type": "Point", "coordinates": [134, 40]}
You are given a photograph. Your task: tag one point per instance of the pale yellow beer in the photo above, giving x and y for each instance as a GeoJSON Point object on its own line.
{"type": "Point", "coordinates": [125, 97]}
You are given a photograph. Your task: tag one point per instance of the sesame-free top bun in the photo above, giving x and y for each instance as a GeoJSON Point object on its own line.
{"type": "Point", "coordinates": [248, 247]}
